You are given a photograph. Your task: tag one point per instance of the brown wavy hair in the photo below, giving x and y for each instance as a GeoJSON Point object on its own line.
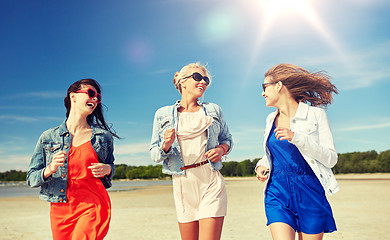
{"type": "Point", "coordinates": [96, 117]}
{"type": "Point", "coordinates": [309, 87]}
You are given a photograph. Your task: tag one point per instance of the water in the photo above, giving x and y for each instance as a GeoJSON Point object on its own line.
{"type": "Point", "coordinates": [21, 189]}
{"type": "Point", "coordinates": [131, 185]}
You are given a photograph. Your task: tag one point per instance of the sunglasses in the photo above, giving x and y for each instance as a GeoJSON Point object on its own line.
{"type": "Point", "coordinates": [265, 85]}
{"type": "Point", "coordinates": [198, 77]}
{"type": "Point", "coordinates": [91, 94]}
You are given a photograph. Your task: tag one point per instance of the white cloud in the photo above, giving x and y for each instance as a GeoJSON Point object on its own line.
{"type": "Point", "coordinates": [12, 146]}
{"type": "Point", "coordinates": [139, 159]}
{"type": "Point", "coordinates": [161, 71]}
{"type": "Point", "coordinates": [18, 118]}
{"type": "Point", "coordinates": [131, 148]}
{"type": "Point", "coordinates": [43, 94]}
{"type": "Point", "coordinates": [364, 127]}
{"type": "Point", "coordinates": [247, 143]}
{"type": "Point", "coordinates": [368, 2]}
{"type": "Point", "coordinates": [132, 123]}
{"type": "Point", "coordinates": [14, 162]}
{"type": "Point", "coordinates": [246, 134]}
{"type": "Point", "coordinates": [357, 69]}
{"type": "Point", "coordinates": [27, 119]}
{"type": "Point", "coordinates": [25, 107]}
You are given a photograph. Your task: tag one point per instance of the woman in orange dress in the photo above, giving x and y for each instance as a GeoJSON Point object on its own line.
{"type": "Point", "coordinates": [73, 164]}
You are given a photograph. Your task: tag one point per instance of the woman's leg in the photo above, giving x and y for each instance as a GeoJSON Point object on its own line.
{"type": "Point", "coordinates": [282, 231]}
{"type": "Point", "coordinates": [189, 231]}
{"type": "Point", "coordinates": [210, 228]}
{"type": "Point", "coordinates": [305, 236]}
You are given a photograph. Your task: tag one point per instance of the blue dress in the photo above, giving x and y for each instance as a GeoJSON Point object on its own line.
{"type": "Point", "coordinates": [294, 195]}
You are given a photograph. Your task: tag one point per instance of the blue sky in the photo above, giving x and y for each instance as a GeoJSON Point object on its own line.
{"type": "Point", "coordinates": [133, 48]}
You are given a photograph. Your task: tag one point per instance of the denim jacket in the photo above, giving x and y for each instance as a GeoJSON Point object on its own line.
{"type": "Point", "coordinates": [313, 138]}
{"type": "Point", "coordinates": [53, 188]}
{"type": "Point", "coordinates": [167, 118]}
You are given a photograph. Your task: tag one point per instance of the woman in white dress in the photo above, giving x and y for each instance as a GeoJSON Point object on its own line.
{"type": "Point", "coordinates": [191, 138]}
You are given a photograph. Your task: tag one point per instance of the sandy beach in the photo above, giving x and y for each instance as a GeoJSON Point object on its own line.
{"type": "Point", "coordinates": [361, 209]}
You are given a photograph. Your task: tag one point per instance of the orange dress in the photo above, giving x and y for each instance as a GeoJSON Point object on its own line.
{"type": "Point", "coordinates": [87, 213]}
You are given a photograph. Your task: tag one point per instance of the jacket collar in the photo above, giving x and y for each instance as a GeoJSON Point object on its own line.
{"type": "Point", "coordinates": [63, 129]}
{"type": "Point", "coordinates": [95, 129]}
{"type": "Point", "coordinates": [302, 111]}
{"type": "Point", "coordinates": [177, 104]}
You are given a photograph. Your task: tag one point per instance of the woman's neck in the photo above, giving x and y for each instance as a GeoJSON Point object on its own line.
{"type": "Point", "coordinates": [287, 108]}
{"type": "Point", "coordinates": [76, 123]}
{"type": "Point", "coordinates": [188, 104]}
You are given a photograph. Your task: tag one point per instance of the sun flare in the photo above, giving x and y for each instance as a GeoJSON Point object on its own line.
{"type": "Point", "coordinates": [273, 12]}
{"type": "Point", "coordinates": [277, 5]}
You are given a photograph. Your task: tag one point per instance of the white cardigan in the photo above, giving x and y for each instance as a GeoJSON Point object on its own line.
{"type": "Point", "coordinates": [313, 138]}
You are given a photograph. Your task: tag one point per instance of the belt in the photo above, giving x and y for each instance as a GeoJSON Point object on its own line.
{"type": "Point", "coordinates": [194, 165]}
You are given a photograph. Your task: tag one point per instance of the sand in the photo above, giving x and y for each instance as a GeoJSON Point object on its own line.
{"type": "Point", "coordinates": [361, 210]}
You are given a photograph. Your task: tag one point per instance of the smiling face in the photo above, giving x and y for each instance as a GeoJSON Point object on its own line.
{"type": "Point", "coordinates": [270, 92]}
{"type": "Point", "coordinates": [191, 87]}
{"type": "Point", "coordinates": [82, 103]}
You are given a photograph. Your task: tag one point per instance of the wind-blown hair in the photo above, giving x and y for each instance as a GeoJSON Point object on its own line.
{"type": "Point", "coordinates": [97, 115]}
{"type": "Point", "coordinates": [309, 87]}
{"type": "Point", "coordinates": [184, 72]}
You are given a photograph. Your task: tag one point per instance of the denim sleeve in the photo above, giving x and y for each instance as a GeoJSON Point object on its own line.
{"type": "Point", "coordinates": [156, 152]}
{"type": "Point", "coordinates": [110, 157]}
{"type": "Point", "coordinates": [224, 136]}
{"type": "Point", "coordinates": [37, 166]}
{"type": "Point", "coordinates": [106, 180]}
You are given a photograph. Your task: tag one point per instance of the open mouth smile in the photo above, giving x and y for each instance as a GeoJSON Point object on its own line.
{"type": "Point", "coordinates": [90, 105]}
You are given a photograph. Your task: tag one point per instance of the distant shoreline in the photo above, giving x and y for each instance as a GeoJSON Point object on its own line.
{"type": "Point", "coordinates": [363, 176]}
{"type": "Point", "coordinates": [344, 176]}
{"type": "Point", "coordinates": [21, 189]}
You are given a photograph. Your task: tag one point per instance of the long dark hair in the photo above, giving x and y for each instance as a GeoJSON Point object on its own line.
{"type": "Point", "coordinates": [97, 115]}
{"type": "Point", "coordinates": [310, 87]}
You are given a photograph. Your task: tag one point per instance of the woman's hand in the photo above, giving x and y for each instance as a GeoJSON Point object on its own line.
{"type": "Point", "coordinates": [99, 170]}
{"type": "Point", "coordinates": [169, 137]}
{"type": "Point", "coordinates": [262, 173]}
{"type": "Point", "coordinates": [215, 154]}
{"type": "Point", "coordinates": [57, 161]}
{"type": "Point", "coordinates": [282, 133]}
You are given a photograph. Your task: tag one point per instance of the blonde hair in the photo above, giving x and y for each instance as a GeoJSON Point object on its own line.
{"type": "Point", "coordinates": [310, 87]}
{"type": "Point", "coordinates": [184, 72]}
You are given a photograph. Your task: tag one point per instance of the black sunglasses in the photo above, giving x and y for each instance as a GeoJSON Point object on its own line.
{"type": "Point", "coordinates": [265, 85]}
{"type": "Point", "coordinates": [91, 94]}
{"type": "Point", "coordinates": [198, 77]}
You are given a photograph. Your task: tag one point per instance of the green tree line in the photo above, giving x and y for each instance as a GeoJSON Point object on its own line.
{"type": "Point", "coordinates": [355, 162]}
{"type": "Point", "coordinates": [123, 171]}
{"type": "Point", "coordinates": [13, 175]}
{"type": "Point", "coordinates": [363, 162]}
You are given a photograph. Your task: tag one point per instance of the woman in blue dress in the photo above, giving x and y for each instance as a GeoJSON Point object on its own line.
{"type": "Point", "coordinates": [299, 154]}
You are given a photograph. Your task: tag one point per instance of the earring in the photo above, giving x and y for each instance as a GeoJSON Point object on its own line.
{"type": "Point", "coordinates": [72, 97]}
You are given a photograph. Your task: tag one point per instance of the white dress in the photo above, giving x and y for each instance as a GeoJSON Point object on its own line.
{"type": "Point", "coordinates": [201, 192]}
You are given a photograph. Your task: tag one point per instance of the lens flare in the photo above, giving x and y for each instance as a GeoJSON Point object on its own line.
{"type": "Point", "coordinates": [139, 51]}
{"type": "Point", "coordinates": [274, 11]}
{"type": "Point", "coordinates": [218, 26]}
